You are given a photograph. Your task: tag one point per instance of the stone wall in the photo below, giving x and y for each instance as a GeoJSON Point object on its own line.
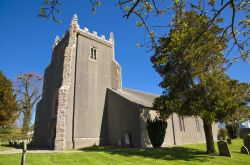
{"type": "Point", "coordinates": [116, 75]}
{"type": "Point", "coordinates": [46, 108]}
{"type": "Point", "coordinates": [123, 117]}
{"type": "Point", "coordinates": [92, 78]}
{"type": "Point", "coordinates": [192, 133]}
{"type": "Point", "coordinates": [65, 91]}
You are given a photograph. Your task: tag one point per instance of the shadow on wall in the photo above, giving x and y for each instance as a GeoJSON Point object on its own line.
{"type": "Point", "coordinates": [103, 133]}
{"type": "Point", "coordinates": [175, 153]}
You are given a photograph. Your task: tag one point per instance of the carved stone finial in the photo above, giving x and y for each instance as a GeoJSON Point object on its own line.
{"type": "Point", "coordinates": [74, 24]}
{"type": "Point", "coordinates": [57, 40]}
{"type": "Point", "coordinates": [74, 19]}
{"type": "Point", "coordinates": [111, 37]}
{"type": "Point", "coordinates": [112, 40]}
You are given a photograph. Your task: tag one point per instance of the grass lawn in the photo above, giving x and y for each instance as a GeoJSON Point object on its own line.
{"type": "Point", "coordinates": [5, 147]}
{"type": "Point", "coordinates": [186, 154]}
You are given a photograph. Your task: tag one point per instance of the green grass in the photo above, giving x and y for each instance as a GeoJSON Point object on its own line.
{"type": "Point", "coordinates": [5, 147]}
{"type": "Point", "coordinates": [187, 154]}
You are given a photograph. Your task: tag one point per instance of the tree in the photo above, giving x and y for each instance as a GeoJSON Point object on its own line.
{"type": "Point", "coordinates": [193, 73]}
{"type": "Point", "coordinates": [236, 29]}
{"type": "Point", "coordinates": [233, 130]}
{"type": "Point", "coordinates": [156, 131]}
{"type": "Point", "coordinates": [241, 114]}
{"type": "Point", "coordinates": [241, 98]}
{"type": "Point", "coordinates": [8, 104]}
{"type": "Point", "coordinates": [28, 91]}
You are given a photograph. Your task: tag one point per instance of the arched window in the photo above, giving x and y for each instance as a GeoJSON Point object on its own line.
{"type": "Point", "coordinates": [197, 123]}
{"type": "Point", "coordinates": [181, 123]}
{"type": "Point", "coordinates": [93, 53]}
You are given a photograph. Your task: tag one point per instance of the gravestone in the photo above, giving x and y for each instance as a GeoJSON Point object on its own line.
{"type": "Point", "coordinates": [229, 141]}
{"type": "Point", "coordinates": [246, 141]}
{"type": "Point", "coordinates": [127, 141]}
{"type": "Point", "coordinates": [119, 142]}
{"type": "Point", "coordinates": [244, 150]}
{"type": "Point", "coordinates": [223, 148]}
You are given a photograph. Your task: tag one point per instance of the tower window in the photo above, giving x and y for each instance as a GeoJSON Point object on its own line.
{"type": "Point", "coordinates": [197, 122]}
{"type": "Point", "coordinates": [93, 52]}
{"type": "Point", "coordinates": [181, 123]}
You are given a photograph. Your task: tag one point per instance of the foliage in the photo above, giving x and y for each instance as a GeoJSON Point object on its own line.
{"type": "Point", "coordinates": [156, 131]}
{"type": "Point", "coordinates": [28, 91]}
{"type": "Point", "coordinates": [8, 104]}
{"type": "Point", "coordinates": [149, 11]}
{"type": "Point", "coordinates": [12, 137]}
{"type": "Point", "coordinates": [193, 73]}
{"type": "Point", "coordinates": [6, 130]}
{"type": "Point", "coordinates": [233, 130]}
{"type": "Point", "coordinates": [222, 134]}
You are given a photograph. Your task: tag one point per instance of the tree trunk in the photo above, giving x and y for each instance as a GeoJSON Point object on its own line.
{"type": "Point", "coordinates": [209, 137]}
{"type": "Point", "coordinates": [26, 122]}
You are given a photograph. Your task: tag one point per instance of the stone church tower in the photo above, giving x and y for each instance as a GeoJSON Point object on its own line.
{"type": "Point", "coordinates": [71, 111]}
{"type": "Point", "coordinates": [83, 102]}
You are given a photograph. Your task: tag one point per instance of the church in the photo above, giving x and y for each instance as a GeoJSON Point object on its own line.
{"type": "Point", "coordinates": [84, 104]}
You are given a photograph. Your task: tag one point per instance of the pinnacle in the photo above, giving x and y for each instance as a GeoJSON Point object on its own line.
{"type": "Point", "coordinates": [74, 19]}
{"type": "Point", "coordinates": [111, 36]}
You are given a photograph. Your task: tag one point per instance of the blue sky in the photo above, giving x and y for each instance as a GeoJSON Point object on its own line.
{"type": "Point", "coordinates": [26, 40]}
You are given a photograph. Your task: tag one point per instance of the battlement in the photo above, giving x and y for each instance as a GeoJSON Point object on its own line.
{"type": "Point", "coordinates": [94, 34]}
{"type": "Point", "coordinates": [75, 28]}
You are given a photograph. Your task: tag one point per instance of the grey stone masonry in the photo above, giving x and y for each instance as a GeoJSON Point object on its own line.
{"type": "Point", "coordinates": [223, 148]}
{"type": "Point", "coordinates": [116, 75]}
{"type": "Point", "coordinates": [84, 104]}
{"type": "Point", "coordinates": [64, 92]}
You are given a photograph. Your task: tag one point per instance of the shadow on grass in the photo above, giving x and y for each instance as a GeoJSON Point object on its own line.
{"type": "Point", "coordinates": [29, 147]}
{"type": "Point", "coordinates": [173, 153]}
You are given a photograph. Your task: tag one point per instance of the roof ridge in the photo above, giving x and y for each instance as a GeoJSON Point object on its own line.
{"type": "Point", "coordinates": [140, 91]}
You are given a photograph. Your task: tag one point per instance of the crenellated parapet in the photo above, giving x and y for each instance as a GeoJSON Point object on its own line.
{"type": "Point", "coordinates": [95, 35]}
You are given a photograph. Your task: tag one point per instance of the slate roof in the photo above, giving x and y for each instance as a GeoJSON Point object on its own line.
{"type": "Point", "coordinates": [138, 97]}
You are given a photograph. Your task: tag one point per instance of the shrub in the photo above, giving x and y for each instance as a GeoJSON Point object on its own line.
{"type": "Point", "coordinates": [12, 137]}
{"type": "Point", "coordinates": [156, 131]}
{"type": "Point", "coordinates": [222, 134]}
{"type": "Point", "coordinates": [233, 130]}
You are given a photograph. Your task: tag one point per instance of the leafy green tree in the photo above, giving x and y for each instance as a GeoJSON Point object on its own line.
{"type": "Point", "coordinates": [193, 75]}
{"type": "Point", "coordinates": [8, 104]}
{"type": "Point", "coordinates": [28, 91]}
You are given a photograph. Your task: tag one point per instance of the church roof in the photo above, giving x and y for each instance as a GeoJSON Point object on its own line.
{"type": "Point", "coordinates": [141, 98]}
